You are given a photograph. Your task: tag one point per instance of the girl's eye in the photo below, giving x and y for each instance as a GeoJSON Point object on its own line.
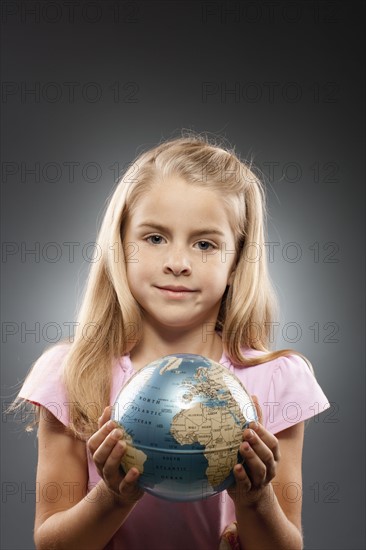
{"type": "Point", "coordinates": [205, 245]}
{"type": "Point", "coordinates": [154, 239]}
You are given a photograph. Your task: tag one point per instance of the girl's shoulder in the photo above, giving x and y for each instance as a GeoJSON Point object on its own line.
{"type": "Point", "coordinates": [286, 388]}
{"type": "Point", "coordinates": [44, 383]}
{"type": "Point", "coordinates": [50, 362]}
{"type": "Point", "coordinates": [283, 371]}
{"type": "Point", "coordinates": [282, 363]}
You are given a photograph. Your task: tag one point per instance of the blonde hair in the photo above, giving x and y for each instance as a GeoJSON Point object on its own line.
{"type": "Point", "coordinates": [109, 321]}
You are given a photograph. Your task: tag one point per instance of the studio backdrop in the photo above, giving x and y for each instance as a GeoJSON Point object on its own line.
{"type": "Point", "coordinates": [86, 86]}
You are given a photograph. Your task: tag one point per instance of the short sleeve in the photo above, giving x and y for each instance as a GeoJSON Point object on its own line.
{"type": "Point", "coordinates": [44, 386]}
{"type": "Point", "coordinates": [294, 394]}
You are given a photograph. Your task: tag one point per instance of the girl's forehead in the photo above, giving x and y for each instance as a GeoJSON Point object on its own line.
{"type": "Point", "coordinates": [176, 186]}
{"type": "Point", "coordinates": [174, 200]}
{"type": "Point", "coordinates": [175, 193]}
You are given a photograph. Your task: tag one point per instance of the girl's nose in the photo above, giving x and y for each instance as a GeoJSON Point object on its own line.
{"type": "Point", "coordinates": [177, 264]}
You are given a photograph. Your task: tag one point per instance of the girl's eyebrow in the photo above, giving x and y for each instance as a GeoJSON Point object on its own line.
{"type": "Point", "coordinates": [195, 233]}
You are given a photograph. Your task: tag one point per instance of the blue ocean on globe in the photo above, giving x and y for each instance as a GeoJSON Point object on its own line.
{"type": "Point", "coordinates": [183, 417]}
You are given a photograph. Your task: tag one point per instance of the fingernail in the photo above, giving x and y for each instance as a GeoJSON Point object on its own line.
{"type": "Point", "coordinates": [117, 434]}
{"type": "Point", "coordinates": [247, 447]}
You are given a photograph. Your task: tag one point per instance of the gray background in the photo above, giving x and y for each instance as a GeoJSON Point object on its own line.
{"type": "Point", "coordinates": [283, 82]}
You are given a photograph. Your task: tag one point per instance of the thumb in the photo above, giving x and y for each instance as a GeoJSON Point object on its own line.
{"type": "Point", "coordinates": [129, 488]}
{"type": "Point", "coordinates": [258, 408]}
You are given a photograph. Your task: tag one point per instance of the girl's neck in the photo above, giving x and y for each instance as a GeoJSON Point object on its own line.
{"type": "Point", "coordinates": [154, 345]}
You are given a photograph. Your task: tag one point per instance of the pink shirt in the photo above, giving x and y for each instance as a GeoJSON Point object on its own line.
{"type": "Point", "coordinates": [288, 393]}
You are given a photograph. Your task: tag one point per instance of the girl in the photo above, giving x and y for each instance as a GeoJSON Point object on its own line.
{"type": "Point", "coordinates": [179, 272]}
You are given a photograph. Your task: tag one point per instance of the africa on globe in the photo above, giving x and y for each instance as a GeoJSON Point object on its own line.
{"type": "Point", "coordinates": [183, 417]}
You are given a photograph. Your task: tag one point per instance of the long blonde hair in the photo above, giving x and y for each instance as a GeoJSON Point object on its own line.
{"type": "Point", "coordinates": [109, 320]}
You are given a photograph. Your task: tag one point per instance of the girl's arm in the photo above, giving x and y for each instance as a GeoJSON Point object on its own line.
{"type": "Point", "coordinates": [269, 513]}
{"type": "Point", "coordinates": [66, 515]}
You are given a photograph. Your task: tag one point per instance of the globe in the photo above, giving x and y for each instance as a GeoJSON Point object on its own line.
{"type": "Point", "coordinates": [183, 417]}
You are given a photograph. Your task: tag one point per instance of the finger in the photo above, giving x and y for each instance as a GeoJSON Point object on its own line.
{"type": "Point", "coordinates": [242, 483]}
{"type": "Point", "coordinates": [111, 470]}
{"type": "Point", "coordinates": [256, 470]}
{"type": "Point", "coordinates": [262, 462]}
{"type": "Point", "coordinates": [105, 416]}
{"type": "Point", "coordinates": [268, 439]}
{"type": "Point", "coordinates": [103, 451]}
{"type": "Point", "coordinates": [99, 437]}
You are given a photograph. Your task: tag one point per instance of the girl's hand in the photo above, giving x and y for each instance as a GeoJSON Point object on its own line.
{"type": "Point", "coordinates": [261, 453]}
{"type": "Point", "coordinates": [107, 449]}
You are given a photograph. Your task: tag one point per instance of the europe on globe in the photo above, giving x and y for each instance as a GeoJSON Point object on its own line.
{"type": "Point", "coordinates": [183, 417]}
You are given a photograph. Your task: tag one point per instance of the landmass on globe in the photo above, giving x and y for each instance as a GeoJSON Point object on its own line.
{"type": "Point", "coordinates": [217, 428]}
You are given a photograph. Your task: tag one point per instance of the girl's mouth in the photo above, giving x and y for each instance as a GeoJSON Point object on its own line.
{"type": "Point", "coordinates": [176, 291]}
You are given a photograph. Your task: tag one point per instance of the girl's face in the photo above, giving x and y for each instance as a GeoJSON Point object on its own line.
{"type": "Point", "coordinates": [180, 254]}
